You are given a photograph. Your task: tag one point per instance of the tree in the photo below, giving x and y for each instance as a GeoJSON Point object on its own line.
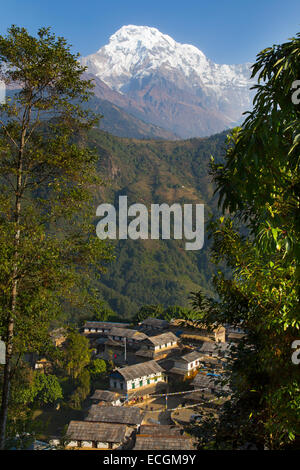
{"type": "Point", "coordinates": [47, 178]}
{"type": "Point", "coordinates": [83, 388]}
{"type": "Point", "coordinates": [258, 239]}
{"type": "Point", "coordinates": [98, 366]}
{"type": "Point", "coordinates": [152, 311]}
{"type": "Point", "coordinates": [77, 354]}
{"type": "Point", "coordinates": [47, 388]}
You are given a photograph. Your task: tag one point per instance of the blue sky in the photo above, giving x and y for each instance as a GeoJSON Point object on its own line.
{"type": "Point", "coordinates": [227, 31]}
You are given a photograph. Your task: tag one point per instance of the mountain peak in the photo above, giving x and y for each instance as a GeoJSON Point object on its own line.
{"type": "Point", "coordinates": [136, 51]}
{"type": "Point", "coordinates": [133, 36]}
{"type": "Point", "coordinates": [164, 80]}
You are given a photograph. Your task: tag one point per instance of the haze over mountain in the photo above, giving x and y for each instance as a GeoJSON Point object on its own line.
{"type": "Point", "coordinates": [168, 84]}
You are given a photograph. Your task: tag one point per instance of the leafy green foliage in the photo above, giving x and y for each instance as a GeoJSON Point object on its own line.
{"type": "Point", "coordinates": [47, 179]}
{"type": "Point", "coordinates": [77, 354]}
{"type": "Point", "coordinates": [46, 388]}
{"type": "Point", "coordinates": [151, 271]}
{"type": "Point", "coordinates": [158, 311]}
{"type": "Point", "coordinates": [258, 239]}
{"type": "Point", "coordinates": [98, 366]}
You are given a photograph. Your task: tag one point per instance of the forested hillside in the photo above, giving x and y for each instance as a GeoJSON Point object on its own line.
{"type": "Point", "coordinates": [148, 171]}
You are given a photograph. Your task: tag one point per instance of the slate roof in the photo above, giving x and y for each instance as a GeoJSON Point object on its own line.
{"type": "Point", "coordinates": [114, 414]}
{"type": "Point", "coordinates": [203, 381]}
{"type": "Point", "coordinates": [142, 369]}
{"type": "Point", "coordinates": [104, 324]}
{"type": "Point", "coordinates": [128, 333]}
{"type": "Point", "coordinates": [210, 347]}
{"type": "Point", "coordinates": [100, 432]}
{"type": "Point", "coordinates": [163, 338]}
{"type": "Point", "coordinates": [191, 357]}
{"type": "Point", "coordinates": [160, 430]}
{"type": "Point", "coordinates": [155, 323]}
{"type": "Point", "coordinates": [105, 395]}
{"type": "Point", "coordinates": [163, 443]}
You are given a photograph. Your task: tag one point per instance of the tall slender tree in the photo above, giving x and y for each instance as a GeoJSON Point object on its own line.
{"type": "Point", "coordinates": [47, 176]}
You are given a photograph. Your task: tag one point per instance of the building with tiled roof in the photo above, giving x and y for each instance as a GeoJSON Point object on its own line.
{"type": "Point", "coordinates": [131, 416]}
{"type": "Point", "coordinates": [137, 376]}
{"type": "Point", "coordinates": [84, 434]}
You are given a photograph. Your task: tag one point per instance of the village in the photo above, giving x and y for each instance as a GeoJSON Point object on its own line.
{"type": "Point", "coordinates": [166, 377]}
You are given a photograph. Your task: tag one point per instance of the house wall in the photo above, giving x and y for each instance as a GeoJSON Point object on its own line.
{"type": "Point", "coordinates": [117, 384]}
{"type": "Point", "coordinates": [170, 344]}
{"type": "Point", "coordinates": [187, 366]}
{"type": "Point", "coordinates": [73, 444]}
{"type": "Point", "coordinates": [145, 381]}
{"type": "Point", "coordinates": [139, 382]}
{"type": "Point", "coordinates": [86, 444]}
{"type": "Point", "coordinates": [102, 445]}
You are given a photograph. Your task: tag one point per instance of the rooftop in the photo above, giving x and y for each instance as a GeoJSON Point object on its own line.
{"type": "Point", "coordinates": [127, 333]}
{"type": "Point", "coordinates": [139, 370]}
{"type": "Point", "coordinates": [163, 443]}
{"type": "Point", "coordinates": [209, 381]}
{"type": "Point", "coordinates": [211, 346]}
{"type": "Point", "coordinates": [155, 323]}
{"type": "Point", "coordinates": [160, 430]}
{"type": "Point", "coordinates": [104, 324]}
{"type": "Point", "coordinates": [163, 338]}
{"type": "Point", "coordinates": [192, 356]}
{"type": "Point", "coordinates": [87, 431]}
{"type": "Point", "coordinates": [105, 395]}
{"type": "Point", "coordinates": [114, 414]}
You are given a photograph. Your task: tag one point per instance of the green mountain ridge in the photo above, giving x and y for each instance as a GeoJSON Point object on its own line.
{"type": "Point", "coordinates": [151, 171]}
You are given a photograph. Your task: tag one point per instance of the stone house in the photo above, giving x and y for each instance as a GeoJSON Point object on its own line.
{"type": "Point", "coordinates": [105, 397]}
{"type": "Point", "coordinates": [101, 328]}
{"type": "Point", "coordinates": [159, 345]}
{"type": "Point", "coordinates": [153, 325]}
{"type": "Point", "coordinates": [84, 434]}
{"type": "Point", "coordinates": [130, 416]}
{"type": "Point", "coordinates": [187, 364]}
{"type": "Point", "coordinates": [212, 349]}
{"type": "Point", "coordinates": [138, 376]}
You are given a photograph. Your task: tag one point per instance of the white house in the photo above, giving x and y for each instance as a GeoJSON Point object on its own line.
{"type": "Point", "coordinates": [138, 376]}
{"type": "Point", "coordinates": [101, 327]}
{"type": "Point", "coordinates": [158, 345]}
{"type": "Point", "coordinates": [187, 364]}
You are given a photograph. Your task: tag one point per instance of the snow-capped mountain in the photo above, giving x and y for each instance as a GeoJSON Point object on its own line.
{"type": "Point", "coordinates": [170, 84]}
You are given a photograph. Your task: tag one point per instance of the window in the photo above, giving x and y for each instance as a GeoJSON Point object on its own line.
{"type": "Point", "coordinates": [133, 385]}
{"type": "Point", "coordinates": [141, 383]}
{"type": "Point", "coordinates": [121, 385]}
{"type": "Point", "coordinates": [115, 384]}
{"type": "Point", "coordinates": [148, 381]}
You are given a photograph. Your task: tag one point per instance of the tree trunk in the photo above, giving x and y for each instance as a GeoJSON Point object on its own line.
{"type": "Point", "coordinates": [11, 316]}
